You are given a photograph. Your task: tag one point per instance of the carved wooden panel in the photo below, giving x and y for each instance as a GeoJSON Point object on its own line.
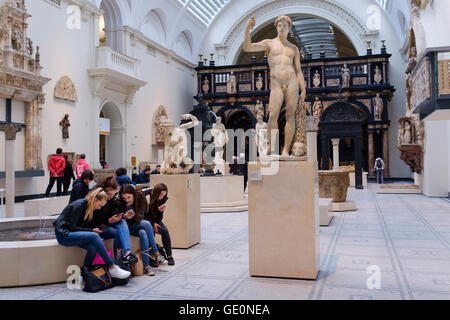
{"type": "Point", "coordinates": [245, 87]}
{"type": "Point", "coordinates": [333, 82]}
{"type": "Point", "coordinates": [357, 81]}
{"type": "Point", "coordinates": [444, 77]}
{"type": "Point", "coordinates": [221, 88]}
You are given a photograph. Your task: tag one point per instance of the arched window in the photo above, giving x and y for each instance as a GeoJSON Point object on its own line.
{"type": "Point", "coordinates": [112, 33]}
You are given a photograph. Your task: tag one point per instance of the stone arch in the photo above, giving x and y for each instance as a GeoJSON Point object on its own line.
{"type": "Point", "coordinates": [342, 111]}
{"type": "Point", "coordinates": [266, 13]}
{"type": "Point", "coordinates": [183, 44]}
{"type": "Point", "coordinates": [114, 144]}
{"type": "Point", "coordinates": [154, 25]}
{"type": "Point", "coordinates": [224, 109]}
{"type": "Point", "coordinates": [116, 15]}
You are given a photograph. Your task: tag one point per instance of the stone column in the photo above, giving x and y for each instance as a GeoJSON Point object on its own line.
{"type": "Point", "coordinates": [10, 182]}
{"type": "Point", "coordinates": [335, 154]}
{"type": "Point", "coordinates": [371, 154]}
{"type": "Point", "coordinates": [386, 152]}
{"type": "Point", "coordinates": [312, 127]}
{"type": "Point", "coordinates": [358, 164]}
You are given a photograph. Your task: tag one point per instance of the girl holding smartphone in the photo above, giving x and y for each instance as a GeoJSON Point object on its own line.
{"type": "Point", "coordinates": [133, 205]}
{"type": "Point", "coordinates": [158, 203]}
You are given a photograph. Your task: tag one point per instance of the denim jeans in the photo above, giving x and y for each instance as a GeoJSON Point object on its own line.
{"type": "Point", "coordinates": [144, 231]}
{"type": "Point", "coordinates": [165, 236]}
{"type": "Point", "coordinates": [91, 242]}
{"type": "Point", "coordinates": [123, 236]}
{"type": "Point", "coordinates": [380, 176]}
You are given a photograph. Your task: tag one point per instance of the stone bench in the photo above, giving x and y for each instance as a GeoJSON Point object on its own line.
{"type": "Point", "coordinates": [45, 206]}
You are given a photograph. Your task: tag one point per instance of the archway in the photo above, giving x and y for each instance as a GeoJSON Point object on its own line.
{"type": "Point", "coordinates": [240, 119]}
{"type": "Point", "coordinates": [345, 121]}
{"type": "Point", "coordinates": [112, 141]}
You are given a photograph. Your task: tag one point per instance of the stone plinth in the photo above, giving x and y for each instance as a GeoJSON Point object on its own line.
{"type": "Point", "coordinates": [222, 194]}
{"type": "Point", "coordinates": [334, 184]}
{"type": "Point", "coordinates": [325, 216]}
{"type": "Point", "coordinates": [182, 215]}
{"type": "Point", "coordinates": [283, 221]}
{"type": "Point", "coordinates": [45, 206]}
{"type": "Point", "coordinates": [100, 174]}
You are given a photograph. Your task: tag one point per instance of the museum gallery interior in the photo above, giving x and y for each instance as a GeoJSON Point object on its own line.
{"type": "Point", "coordinates": [295, 150]}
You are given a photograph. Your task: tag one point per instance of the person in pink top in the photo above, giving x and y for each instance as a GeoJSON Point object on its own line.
{"type": "Point", "coordinates": [81, 166]}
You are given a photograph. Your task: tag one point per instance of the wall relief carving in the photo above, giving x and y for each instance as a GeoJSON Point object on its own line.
{"type": "Point", "coordinates": [65, 89]}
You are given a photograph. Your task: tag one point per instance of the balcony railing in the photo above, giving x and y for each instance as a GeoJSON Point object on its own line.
{"type": "Point", "coordinates": [108, 58]}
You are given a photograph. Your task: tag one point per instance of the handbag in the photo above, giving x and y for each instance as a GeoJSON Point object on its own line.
{"type": "Point", "coordinates": [138, 268]}
{"type": "Point", "coordinates": [97, 279]}
{"type": "Point", "coordinates": [98, 260]}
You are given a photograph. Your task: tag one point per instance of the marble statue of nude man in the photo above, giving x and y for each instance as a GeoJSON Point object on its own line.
{"type": "Point", "coordinates": [286, 76]}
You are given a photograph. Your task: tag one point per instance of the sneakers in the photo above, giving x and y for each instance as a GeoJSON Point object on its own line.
{"type": "Point", "coordinates": [130, 259]}
{"type": "Point", "coordinates": [149, 272]}
{"type": "Point", "coordinates": [161, 259]}
{"type": "Point", "coordinates": [171, 261]}
{"type": "Point", "coordinates": [118, 273]}
{"type": "Point", "coordinates": [153, 261]}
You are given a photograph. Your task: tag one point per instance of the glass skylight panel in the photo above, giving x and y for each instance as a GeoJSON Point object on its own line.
{"type": "Point", "coordinates": [204, 10]}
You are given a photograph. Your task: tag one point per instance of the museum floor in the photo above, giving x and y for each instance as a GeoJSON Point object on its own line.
{"type": "Point", "coordinates": [406, 236]}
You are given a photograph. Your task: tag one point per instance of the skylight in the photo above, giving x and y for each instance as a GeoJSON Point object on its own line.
{"type": "Point", "coordinates": [204, 10]}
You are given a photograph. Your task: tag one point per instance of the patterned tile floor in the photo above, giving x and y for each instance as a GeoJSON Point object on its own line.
{"type": "Point", "coordinates": [406, 236]}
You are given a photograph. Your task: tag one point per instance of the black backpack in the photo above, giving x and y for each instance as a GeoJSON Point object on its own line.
{"type": "Point", "coordinates": [96, 279]}
{"type": "Point", "coordinates": [379, 165]}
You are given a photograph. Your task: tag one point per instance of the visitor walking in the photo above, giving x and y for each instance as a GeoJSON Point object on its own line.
{"type": "Point", "coordinates": [81, 166]}
{"type": "Point", "coordinates": [158, 204]}
{"type": "Point", "coordinates": [56, 166]}
{"type": "Point", "coordinates": [76, 227]}
{"type": "Point", "coordinates": [68, 175]}
{"type": "Point", "coordinates": [80, 186]}
{"type": "Point", "coordinates": [379, 168]}
{"type": "Point", "coordinates": [134, 206]}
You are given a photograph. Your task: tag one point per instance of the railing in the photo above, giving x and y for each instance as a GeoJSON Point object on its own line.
{"type": "Point", "coordinates": [108, 58]}
{"type": "Point", "coordinates": [319, 74]}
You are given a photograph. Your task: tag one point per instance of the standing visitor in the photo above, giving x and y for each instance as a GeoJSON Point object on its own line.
{"type": "Point", "coordinates": [68, 175]}
{"type": "Point", "coordinates": [56, 166]}
{"type": "Point", "coordinates": [158, 203]}
{"type": "Point", "coordinates": [144, 176]}
{"type": "Point", "coordinates": [81, 166]}
{"type": "Point", "coordinates": [379, 168]}
{"type": "Point", "coordinates": [76, 227]}
{"type": "Point", "coordinates": [80, 186]}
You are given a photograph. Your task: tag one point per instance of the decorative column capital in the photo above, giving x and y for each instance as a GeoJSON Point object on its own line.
{"type": "Point", "coordinates": [335, 142]}
{"type": "Point", "coordinates": [312, 123]}
{"type": "Point", "coordinates": [10, 131]}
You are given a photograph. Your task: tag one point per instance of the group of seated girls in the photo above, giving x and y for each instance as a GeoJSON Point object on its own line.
{"type": "Point", "coordinates": [110, 213]}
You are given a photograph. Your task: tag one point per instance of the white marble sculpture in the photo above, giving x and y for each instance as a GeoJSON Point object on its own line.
{"type": "Point", "coordinates": [176, 146]}
{"type": "Point", "coordinates": [345, 76]}
{"type": "Point", "coordinates": [286, 76]}
{"type": "Point", "coordinates": [232, 84]}
{"type": "Point", "coordinates": [407, 136]}
{"type": "Point", "coordinates": [378, 77]}
{"type": "Point", "coordinates": [379, 106]}
{"type": "Point", "coordinates": [205, 86]}
{"type": "Point", "coordinates": [261, 136]}
{"type": "Point", "coordinates": [220, 135]}
{"type": "Point", "coordinates": [259, 108]}
{"type": "Point", "coordinates": [259, 82]}
{"type": "Point", "coordinates": [316, 79]}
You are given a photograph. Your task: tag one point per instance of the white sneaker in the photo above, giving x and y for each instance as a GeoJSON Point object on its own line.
{"type": "Point", "coordinates": [161, 259]}
{"type": "Point", "coordinates": [119, 273]}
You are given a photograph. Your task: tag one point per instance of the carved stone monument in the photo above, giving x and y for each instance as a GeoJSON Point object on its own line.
{"type": "Point", "coordinates": [65, 89]}
{"type": "Point", "coordinates": [316, 79]}
{"type": "Point", "coordinates": [159, 118]}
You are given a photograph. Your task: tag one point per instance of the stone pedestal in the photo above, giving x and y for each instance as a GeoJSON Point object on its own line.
{"type": "Point", "coordinates": [222, 194]}
{"type": "Point", "coordinates": [45, 206]}
{"type": "Point", "coordinates": [325, 216]}
{"type": "Point", "coordinates": [182, 215]}
{"type": "Point", "coordinates": [353, 179]}
{"type": "Point", "coordinates": [335, 154]}
{"type": "Point", "coordinates": [283, 226]}
{"type": "Point", "coordinates": [334, 184]}
{"type": "Point", "coordinates": [312, 128]}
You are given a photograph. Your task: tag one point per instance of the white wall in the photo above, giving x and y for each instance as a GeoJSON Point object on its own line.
{"type": "Point", "coordinates": [436, 159]}
{"type": "Point", "coordinates": [448, 159]}
{"type": "Point", "coordinates": [171, 82]}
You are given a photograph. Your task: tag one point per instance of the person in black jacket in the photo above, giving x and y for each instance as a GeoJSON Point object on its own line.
{"type": "Point", "coordinates": [144, 176]}
{"type": "Point", "coordinates": [68, 175]}
{"type": "Point", "coordinates": [81, 186]}
{"type": "Point", "coordinates": [76, 227]}
{"type": "Point", "coordinates": [109, 215]}
{"type": "Point", "coordinates": [134, 204]}
{"type": "Point", "coordinates": [158, 203]}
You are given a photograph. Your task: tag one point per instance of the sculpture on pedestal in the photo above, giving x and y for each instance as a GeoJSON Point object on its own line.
{"type": "Point", "coordinates": [318, 107]}
{"type": "Point", "coordinates": [65, 124]}
{"type": "Point", "coordinates": [316, 79]}
{"type": "Point", "coordinates": [220, 135]}
{"type": "Point", "coordinates": [378, 77]}
{"type": "Point", "coordinates": [379, 107]}
{"type": "Point", "coordinates": [232, 84]}
{"type": "Point", "coordinates": [345, 77]}
{"type": "Point", "coordinates": [176, 146]}
{"type": "Point", "coordinates": [261, 135]}
{"type": "Point", "coordinates": [286, 76]}
{"type": "Point", "coordinates": [259, 82]}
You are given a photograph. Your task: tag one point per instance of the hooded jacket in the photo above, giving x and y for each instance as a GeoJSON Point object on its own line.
{"type": "Point", "coordinates": [56, 165]}
{"type": "Point", "coordinates": [79, 190]}
{"type": "Point", "coordinates": [81, 166]}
